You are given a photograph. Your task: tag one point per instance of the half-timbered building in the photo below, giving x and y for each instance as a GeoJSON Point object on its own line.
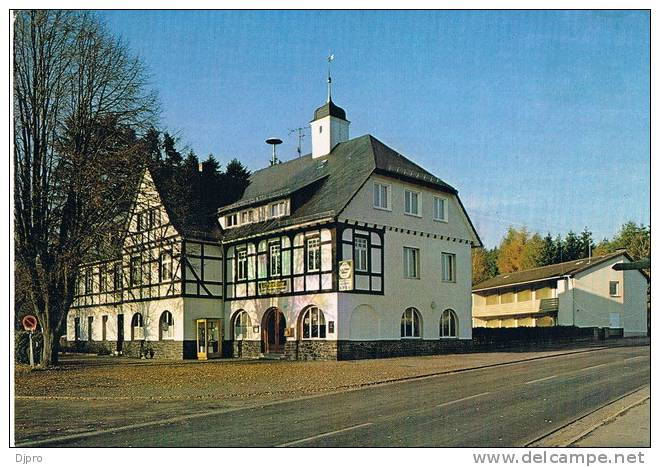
{"type": "Point", "coordinates": [352, 251]}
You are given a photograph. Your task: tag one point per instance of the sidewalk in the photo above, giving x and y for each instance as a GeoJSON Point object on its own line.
{"type": "Point", "coordinates": [632, 428]}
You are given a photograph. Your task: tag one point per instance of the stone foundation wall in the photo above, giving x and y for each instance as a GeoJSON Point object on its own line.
{"type": "Point", "coordinates": [293, 350]}
{"type": "Point", "coordinates": [356, 350]}
{"type": "Point", "coordinates": [245, 349]}
{"type": "Point", "coordinates": [167, 350]}
{"type": "Point", "coordinates": [311, 350]}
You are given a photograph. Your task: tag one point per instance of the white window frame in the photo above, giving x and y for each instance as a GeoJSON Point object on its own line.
{"type": "Point", "coordinates": [167, 334]}
{"type": "Point", "coordinates": [376, 189]}
{"type": "Point", "coordinates": [618, 289]}
{"type": "Point", "coordinates": [451, 316]}
{"type": "Point", "coordinates": [448, 264]}
{"type": "Point", "coordinates": [241, 264]}
{"type": "Point", "coordinates": [445, 202]}
{"type": "Point", "coordinates": [135, 274]}
{"type": "Point", "coordinates": [137, 331]}
{"type": "Point", "coordinates": [361, 254]}
{"type": "Point", "coordinates": [231, 220]}
{"type": "Point", "coordinates": [247, 217]}
{"type": "Point", "coordinates": [242, 325]}
{"type": "Point", "coordinates": [277, 209]}
{"type": "Point", "coordinates": [166, 266]}
{"type": "Point", "coordinates": [275, 259]}
{"type": "Point", "coordinates": [416, 256]}
{"type": "Point", "coordinates": [406, 193]}
{"type": "Point", "coordinates": [313, 253]}
{"type": "Point", "coordinates": [307, 324]}
{"type": "Point", "coordinates": [414, 329]}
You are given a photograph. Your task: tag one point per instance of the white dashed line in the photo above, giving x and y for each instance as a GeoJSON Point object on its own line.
{"type": "Point", "coordinates": [541, 379]}
{"type": "Point", "coordinates": [323, 435]}
{"type": "Point", "coordinates": [461, 400]}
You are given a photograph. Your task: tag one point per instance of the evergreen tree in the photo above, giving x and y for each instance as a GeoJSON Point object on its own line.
{"type": "Point", "coordinates": [152, 145]}
{"type": "Point", "coordinates": [571, 247]}
{"type": "Point", "coordinates": [237, 171]}
{"type": "Point", "coordinates": [532, 252]}
{"type": "Point", "coordinates": [549, 252]}
{"type": "Point", "coordinates": [173, 157]}
{"type": "Point", "coordinates": [586, 243]}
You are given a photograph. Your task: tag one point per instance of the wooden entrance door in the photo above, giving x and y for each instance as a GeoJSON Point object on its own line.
{"type": "Point", "coordinates": [273, 326]}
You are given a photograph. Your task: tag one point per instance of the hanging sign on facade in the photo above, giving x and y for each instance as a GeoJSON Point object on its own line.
{"type": "Point", "coordinates": [346, 275]}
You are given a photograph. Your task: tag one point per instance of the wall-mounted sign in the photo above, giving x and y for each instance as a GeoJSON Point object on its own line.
{"type": "Point", "coordinates": [275, 286]}
{"type": "Point", "coordinates": [331, 327]}
{"type": "Point", "coordinates": [346, 275]}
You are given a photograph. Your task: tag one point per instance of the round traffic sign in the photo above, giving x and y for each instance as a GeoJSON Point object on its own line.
{"type": "Point", "coordinates": [30, 322]}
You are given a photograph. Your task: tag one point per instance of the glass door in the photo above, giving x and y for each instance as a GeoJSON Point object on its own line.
{"type": "Point", "coordinates": [201, 339]}
{"type": "Point", "coordinates": [209, 338]}
{"type": "Point", "coordinates": [213, 349]}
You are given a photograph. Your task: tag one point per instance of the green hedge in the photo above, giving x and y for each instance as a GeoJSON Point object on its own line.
{"type": "Point", "coordinates": [22, 343]}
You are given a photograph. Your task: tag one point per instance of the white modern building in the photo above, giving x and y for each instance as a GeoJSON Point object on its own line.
{"type": "Point", "coordinates": [583, 293]}
{"type": "Point", "coordinates": [351, 251]}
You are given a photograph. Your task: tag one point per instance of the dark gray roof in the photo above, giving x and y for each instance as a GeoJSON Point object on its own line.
{"type": "Point", "coordinates": [188, 216]}
{"type": "Point", "coordinates": [329, 108]}
{"type": "Point", "coordinates": [325, 185]}
{"type": "Point", "coordinates": [568, 268]}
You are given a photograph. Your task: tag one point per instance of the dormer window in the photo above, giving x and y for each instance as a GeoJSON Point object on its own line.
{"type": "Point", "coordinates": [278, 209]}
{"type": "Point", "coordinates": [247, 217]}
{"type": "Point", "coordinates": [231, 220]}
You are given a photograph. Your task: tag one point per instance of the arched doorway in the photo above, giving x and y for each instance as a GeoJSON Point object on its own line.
{"type": "Point", "coordinates": [272, 331]}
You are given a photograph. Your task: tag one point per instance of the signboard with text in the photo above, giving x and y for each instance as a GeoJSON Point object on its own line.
{"type": "Point", "coordinates": [345, 275]}
{"type": "Point", "coordinates": [272, 287]}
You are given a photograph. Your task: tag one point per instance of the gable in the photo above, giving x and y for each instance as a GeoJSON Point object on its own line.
{"type": "Point", "coordinates": [361, 208]}
{"type": "Point", "coordinates": [147, 215]}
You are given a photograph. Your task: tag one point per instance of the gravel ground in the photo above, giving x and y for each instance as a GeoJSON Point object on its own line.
{"type": "Point", "coordinates": [87, 393]}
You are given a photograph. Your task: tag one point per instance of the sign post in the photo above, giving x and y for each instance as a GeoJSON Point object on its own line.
{"type": "Point", "coordinates": [30, 325]}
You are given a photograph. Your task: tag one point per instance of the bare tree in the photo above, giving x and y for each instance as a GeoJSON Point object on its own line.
{"type": "Point", "coordinates": [80, 100]}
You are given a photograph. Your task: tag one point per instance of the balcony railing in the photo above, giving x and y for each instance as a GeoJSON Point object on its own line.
{"type": "Point", "coordinates": [549, 304]}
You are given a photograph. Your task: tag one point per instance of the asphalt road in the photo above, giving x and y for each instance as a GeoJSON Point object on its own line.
{"type": "Point", "coordinates": [504, 406]}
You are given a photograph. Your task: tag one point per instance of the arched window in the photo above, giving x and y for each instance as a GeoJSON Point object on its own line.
{"type": "Point", "coordinates": [411, 323]}
{"type": "Point", "coordinates": [137, 327]}
{"type": "Point", "coordinates": [448, 324]}
{"type": "Point", "coordinates": [242, 324]}
{"type": "Point", "coordinates": [313, 323]}
{"type": "Point", "coordinates": [166, 325]}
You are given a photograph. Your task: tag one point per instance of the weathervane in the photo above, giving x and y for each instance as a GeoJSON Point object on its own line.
{"type": "Point", "coordinates": [331, 57]}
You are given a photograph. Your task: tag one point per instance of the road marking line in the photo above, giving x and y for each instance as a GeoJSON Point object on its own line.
{"type": "Point", "coordinates": [463, 399]}
{"type": "Point", "coordinates": [323, 435]}
{"type": "Point", "coordinates": [541, 379]}
{"type": "Point", "coordinates": [635, 358]}
{"type": "Point", "coordinates": [592, 367]}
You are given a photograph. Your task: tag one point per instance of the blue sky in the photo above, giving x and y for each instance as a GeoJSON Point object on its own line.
{"type": "Point", "coordinates": [538, 118]}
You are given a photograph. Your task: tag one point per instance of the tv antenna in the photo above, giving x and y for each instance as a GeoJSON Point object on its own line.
{"type": "Point", "coordinates": [274, 142]}
{"type": "Point", "coordinates": [300, 131]}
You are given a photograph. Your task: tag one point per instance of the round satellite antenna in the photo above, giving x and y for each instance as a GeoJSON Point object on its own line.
{"type": "Point", "coordinates": [274, 142]}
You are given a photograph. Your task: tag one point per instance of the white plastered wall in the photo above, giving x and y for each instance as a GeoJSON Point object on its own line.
{"type": "Point", "coordinates": [291, 306]}
{"type": "Point", "coordinates": [587, 301]}
{"type": "Point", "coordinates": [428, 294]}
{"type": "Point", "coordinates": [151, 311]}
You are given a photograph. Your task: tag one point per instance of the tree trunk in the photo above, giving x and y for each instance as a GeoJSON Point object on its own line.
{"type": "Point", "coordinates": [50, 352]}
